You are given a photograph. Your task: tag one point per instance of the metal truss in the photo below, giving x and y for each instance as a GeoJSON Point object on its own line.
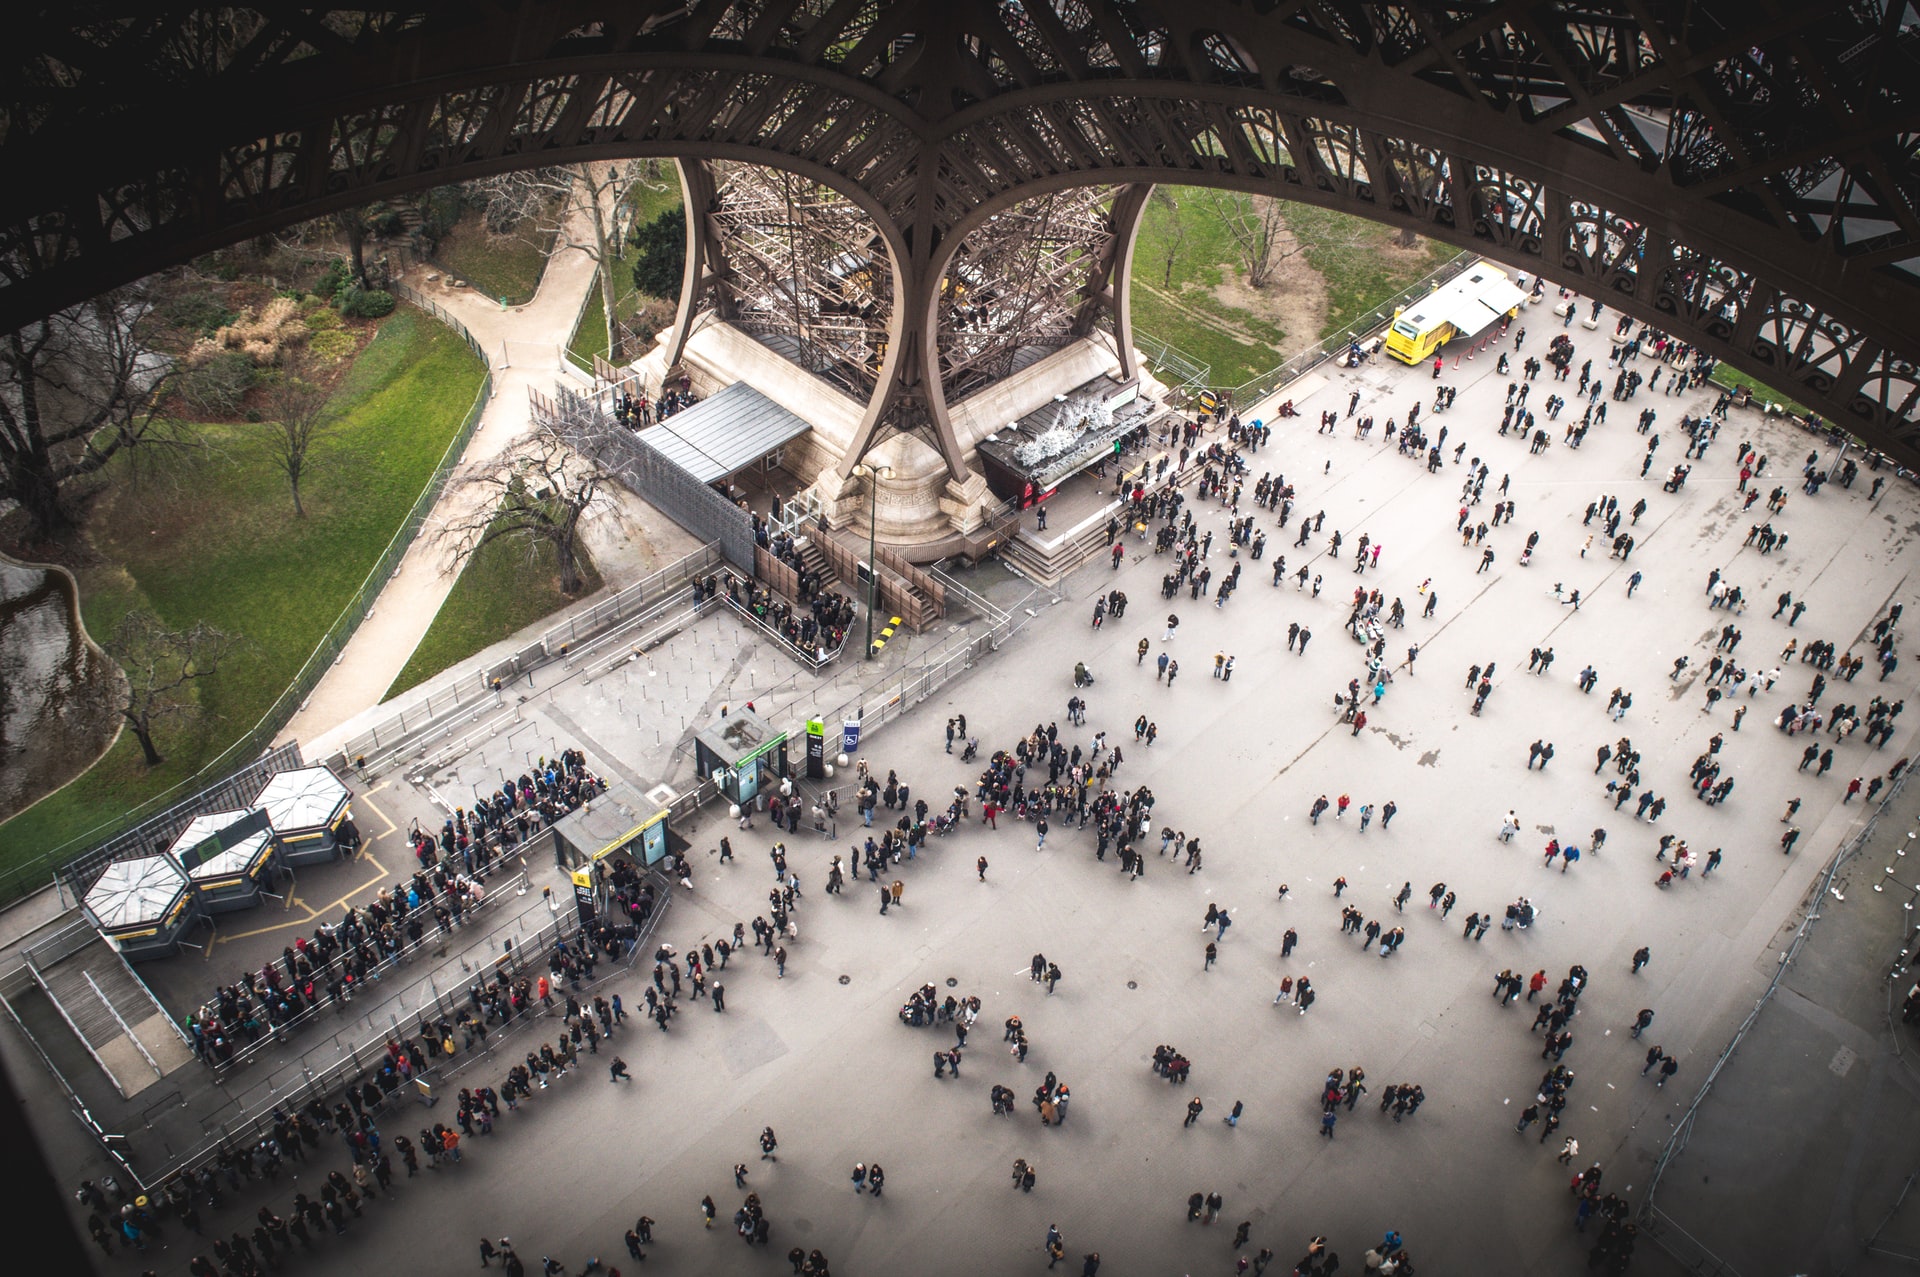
{"type": "Point", "coordinates": [1739, 172]}
{"type": "Point", "coordinates": [801, 267]}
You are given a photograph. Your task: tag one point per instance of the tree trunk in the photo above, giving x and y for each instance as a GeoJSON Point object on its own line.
{"type": "Point", "coordinates": [357, 245]}
{"type": "Point", "coordinates": [38, 491]}
{"type": "Point", "coordinates": [299, 511]}
{"type": "Point", "coordinates": [568, 561]}
{"type": "Point", "coordinates": [144, 734]}
{"type": "Point", "coordinates": [1408, 237]}
{"type": "Point", "coordinates": [607, 305]}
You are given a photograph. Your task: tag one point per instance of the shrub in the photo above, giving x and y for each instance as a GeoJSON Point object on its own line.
{"type": "Point", "coordinates": [647, 322]}
{"type": "Point", "coordinates": [216, 387]}
{"type": "Point", "coordinates": [365, 303]}
{"type": "Point", "coordinates": [193, 311]}
{"type": "Point", "coordinates": [440, 209]}
{"type": "Point", "coordinates": [332, 281]}
{"type": "Point", "coordinates": [262, 336]}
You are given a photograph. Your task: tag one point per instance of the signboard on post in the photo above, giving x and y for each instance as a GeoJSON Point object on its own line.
{"type": "Point", "coordinates": [816, 749]}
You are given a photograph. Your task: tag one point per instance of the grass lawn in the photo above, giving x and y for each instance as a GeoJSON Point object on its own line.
{"type": "Point", "coordinates": [1732, 378]}
{"type": "Point", "coordinates": [507, 266]}
{"type": "Point", "coordinates": [1359, 277]}
{"type": "Point", "coordinates": [211, 536]}
{"type": "Point", "coordinates": [1179, 305]}
{"type": "Point", "coordinates": [501, 590]}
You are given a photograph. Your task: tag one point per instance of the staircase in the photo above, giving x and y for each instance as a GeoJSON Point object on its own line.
{"type": "Point", "coordinates": [815, 561]}
{"type": "Point", "coordinates": [124, 1028]}
{"type": "Point", "coordinates": [1048, 563]}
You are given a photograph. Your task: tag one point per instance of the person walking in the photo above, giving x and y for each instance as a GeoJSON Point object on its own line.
{"type": "Point", "coordinates": [1568, 1151]}
{"type": "Point", "coordinates": [1194, 1106]}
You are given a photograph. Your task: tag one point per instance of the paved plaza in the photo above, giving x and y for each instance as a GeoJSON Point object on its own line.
{"type": "Point", "coordinates": [822, 1056]}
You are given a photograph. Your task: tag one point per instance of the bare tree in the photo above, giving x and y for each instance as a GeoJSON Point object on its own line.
{"type": "Point", "coordinates": [1176, 232]}
{"type": "Point", "coordinates": [537, 491]}
{"type": "Point", "coordinates": [548, 199]}
{"type": "Point", "coordinates": [302, 419]}
{"type": "Point", "coordinates": [1262, 238]}
{"type": "Point", "coordinates": [1258, 231]}
{"type": "Point", "coordinates": [160, 663]}
{"type": "Point", "coordinates": [76, 388]}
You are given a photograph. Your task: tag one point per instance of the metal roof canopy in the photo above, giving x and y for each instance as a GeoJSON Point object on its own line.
{"type": "Point", "coordinates": [724, 433]}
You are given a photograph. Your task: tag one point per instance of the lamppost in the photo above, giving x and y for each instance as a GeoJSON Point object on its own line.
{"type": "Point", "coordinates": [873, 475]}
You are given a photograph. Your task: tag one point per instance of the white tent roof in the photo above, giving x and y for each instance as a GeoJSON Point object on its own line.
{"type": "Point", "coordinates": [304, 799]}
{"type": "Point", "coordinates": [134, 892]}
{"type": "Point", "coordinates": [724, 433]}
{"type": "Point", "coordinates": [234, 859]}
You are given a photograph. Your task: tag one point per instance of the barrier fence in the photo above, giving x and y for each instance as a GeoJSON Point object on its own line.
{"type": "Point", "coordinates": [1656, 1223]}
{"type": "Point", "coordinates": [21, 879]}
{"type": "Point", "coordinates": [292, 1084]}
{"type": "Point", "coordinates": [473, 690]}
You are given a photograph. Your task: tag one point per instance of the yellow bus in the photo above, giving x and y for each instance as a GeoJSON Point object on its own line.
{"type": "Point", "coordinates": [1467, 307]}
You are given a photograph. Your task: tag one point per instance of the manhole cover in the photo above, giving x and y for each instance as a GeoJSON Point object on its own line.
{"type": "Point", "coordinates": [846, 979]}
{"type": "Point", "coordinates": [1133, 984]}
{"type": "Point", "coordinates": [951, 982]}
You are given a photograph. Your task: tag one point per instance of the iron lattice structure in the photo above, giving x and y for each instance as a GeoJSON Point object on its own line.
{"type": "Point", "coordinates": [1738, 172]}
{"type": "Point", "coordinates": [804, 269]}
{"type": "Point", "coordinates": [800, 266]}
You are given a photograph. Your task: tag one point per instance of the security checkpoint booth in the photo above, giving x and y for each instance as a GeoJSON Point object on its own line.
{"type": "Point", "coordinates": [616, 827]}
{"type": "Point", "coordinates": [309, 813]}
{"type": "Point", "coordinates": [741, 753]}
{"type": "Point", "coordinates": [232, 857]}
{"type": "Point", "coordinates": [143, 906]}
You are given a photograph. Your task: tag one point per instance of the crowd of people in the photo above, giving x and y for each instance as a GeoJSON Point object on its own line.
{"type": "Point", "coordinates": [1081, 789]}
{"type": "Point", "coordinates": [342, 958]}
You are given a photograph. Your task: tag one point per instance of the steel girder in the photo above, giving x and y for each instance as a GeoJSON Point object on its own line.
{"type": "Point", "coordinates": [1738, 172]}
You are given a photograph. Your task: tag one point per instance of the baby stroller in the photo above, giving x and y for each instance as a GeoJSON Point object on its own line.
{"type": "Point", "coordinates": [1081, 676]}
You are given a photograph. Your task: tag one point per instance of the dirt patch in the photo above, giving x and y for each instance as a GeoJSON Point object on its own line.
{"type": "Point", "coordinates": [1294, 300]}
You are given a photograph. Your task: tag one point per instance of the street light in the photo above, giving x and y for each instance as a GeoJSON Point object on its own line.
{"type": "Point", "coordinates": [873, 475]}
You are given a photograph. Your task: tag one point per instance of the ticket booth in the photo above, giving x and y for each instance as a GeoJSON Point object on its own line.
{"type": "Point", "coordinates": [308, 811]}
{"type": "Point", "coordinates": [590, 840]}
{"type": "Point", "coordinates": [142, 907]}
{"type": "Point", "coordinates": [231, 856]}
{"type": "Point", "coordinates": [742, 753]}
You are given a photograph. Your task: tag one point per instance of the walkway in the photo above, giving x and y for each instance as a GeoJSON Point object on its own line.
{"type": "Point", "coordinates": [523, 345]}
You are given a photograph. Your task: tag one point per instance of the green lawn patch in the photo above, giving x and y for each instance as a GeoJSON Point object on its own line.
{"type": "Point", "coordinates": [211, 535]}
{"type": "Point", "coordinates": [502, 589]}
{"type": "Point", "coordinates": [501, 266]}
{"type": "Point", "coordinates": [1733, 379]}
{"type": "Point", "coordinates": [1347, 253]}
{"type": "Point", "coordinates": [1185, 251]}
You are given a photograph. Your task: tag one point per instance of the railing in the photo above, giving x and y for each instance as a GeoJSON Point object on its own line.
{"type": "Point", "coordinates": [1188, 377]}
{"type": "Point", "coordinates": [602, 615]}
{"type": "Point", "coordinates": [257, 738]}
{"type": "Point", "coordinates": [291, 1085]}
{"type": "Point", "coordinates": [1683, 1128]}
{"type": "Point", "coordinates": [424, 709]}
